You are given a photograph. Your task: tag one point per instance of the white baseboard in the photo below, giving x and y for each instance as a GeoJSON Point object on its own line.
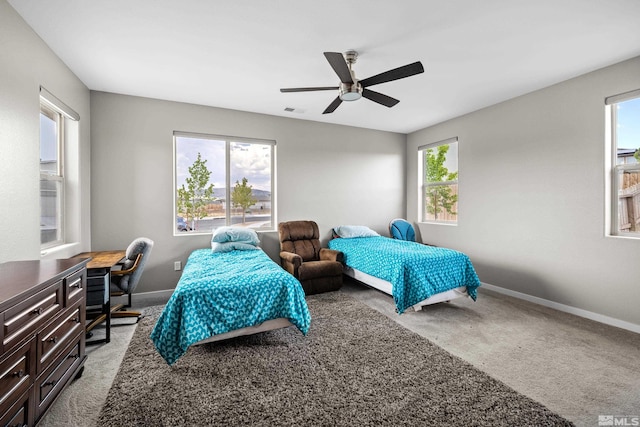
{"type": "Point", "coordinates": [566, 308]}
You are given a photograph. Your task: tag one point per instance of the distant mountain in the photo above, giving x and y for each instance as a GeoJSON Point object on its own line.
{"type": "Point", "coordinates": [220, 193]}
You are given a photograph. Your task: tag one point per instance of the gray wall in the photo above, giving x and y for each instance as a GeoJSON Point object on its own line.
{"type": "Point", "coordinates": [331, 174]}
{"type": "Point", "coordinates": [532, 196]}
{"type": "Point", "coordinates": [26, 62]}
{"type": "Point", "coordinates": [531, 178]}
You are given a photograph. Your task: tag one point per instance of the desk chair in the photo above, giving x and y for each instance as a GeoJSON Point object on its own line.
{"type": "Point", "coordinates": [125, 279]}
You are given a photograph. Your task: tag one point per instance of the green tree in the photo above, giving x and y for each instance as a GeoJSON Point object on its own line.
{"type": "Point", "coordinates": [439, 197]}
{"type": "Point", "coordinates": [637, 154]}
{"type": "Point", "coordinates": [193, 198]}
{"type": "Point", "coordinates": [241, 196]}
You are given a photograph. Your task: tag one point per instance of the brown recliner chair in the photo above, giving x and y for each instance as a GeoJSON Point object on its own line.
{"type": "Point", "coordinates": [318, 269]}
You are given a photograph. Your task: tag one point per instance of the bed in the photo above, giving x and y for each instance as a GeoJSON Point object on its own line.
{"type": "Point", "coordinates": [414, 274]}
{"type": "Point", "coordinates": [227, 293]}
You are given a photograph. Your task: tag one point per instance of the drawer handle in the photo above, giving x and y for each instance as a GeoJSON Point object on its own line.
{"type": "Point", "coordinates": [76, 284]}
{"type": "Point", "coordinates": [53, 339]}
{"type": "Point", "coordinates": [73, 356]}
{"type": "Point", "coordinates": [49, 383]}
{"type": "Point", "coordinates": [75, 320]}
{"type": "Point", "coordinates": [38, 311]}
{"type": "Point", "coordinates": [19, 374]}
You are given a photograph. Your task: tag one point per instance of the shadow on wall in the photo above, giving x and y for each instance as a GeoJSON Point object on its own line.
{"type": "Point", "coordinates": [526, 282]}
{"type": "Point", "coordinates": [270, 243]}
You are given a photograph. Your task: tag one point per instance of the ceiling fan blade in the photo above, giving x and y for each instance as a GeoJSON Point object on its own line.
{"type": "Point", "coordinates": [332, 107]}
{"type": "Point", "coordinates": [395, 74]}
{"type": "Point", "coordinates": [307, 89]}
{"type": "Point", "coordinates": [339, 65]}
{"type": "Point", "coordinates": [380, 98]}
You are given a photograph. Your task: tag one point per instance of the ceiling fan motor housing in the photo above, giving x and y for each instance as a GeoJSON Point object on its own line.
{"type": "Point", "coordinates": [350, 91]}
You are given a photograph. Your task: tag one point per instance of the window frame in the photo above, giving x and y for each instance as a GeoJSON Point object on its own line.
{"type": "Point", "coordinates": [423, 186]}
{"type": "Point", "coordinates": [614, 170]}
{"type": "Point", "coordinates": [58, 176]}
{"type": "Point", "coordinates": [228, 141]}
{"type": "Point", "coordinates": [69, 162]}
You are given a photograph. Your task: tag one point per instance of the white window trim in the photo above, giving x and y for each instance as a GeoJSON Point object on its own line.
{"type": "Point", "coordinates": [422, 185]}
{"type": "Point", "coordinates": [56, 176]}
{"type": "Point", "coordinates": [68, 158]}
{"type": "Point", "coordinates": [613, 169]}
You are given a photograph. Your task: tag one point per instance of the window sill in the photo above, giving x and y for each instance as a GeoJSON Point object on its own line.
{"type": "Point", "coordinates": [450, 224]}
{"type": "Point", "coordinates": [63, 251]}
{"type": "Point", "coordinates": [620, 237]}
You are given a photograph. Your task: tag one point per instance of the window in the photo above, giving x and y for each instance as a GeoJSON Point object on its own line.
{"type": "Point", "coordinates": [439, 175]}
{"type": "Point", "coordinates": [222, 181]}
{"type": "Point", "coordinates": [624, 123]}
{"type": "Point", "coordinates": [57, 127]}
{"type": "Point", "coordinates": [51, 178]}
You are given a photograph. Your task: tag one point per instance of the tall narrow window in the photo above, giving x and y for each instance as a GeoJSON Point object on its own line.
{"type": "Point", "coordinates": [222, 181]}
{"type": "Point", "coordinates": [58, 135]}
{"type": "Point", "coordinates": [439, 175]}
{"type": "Point", "coordinates": [624, 112]}
{"type": "Point", "coordinates": [51, 177]}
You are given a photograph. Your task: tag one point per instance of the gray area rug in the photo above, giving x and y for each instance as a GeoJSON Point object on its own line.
{"type": "Point", "coordinates": [356, 367]}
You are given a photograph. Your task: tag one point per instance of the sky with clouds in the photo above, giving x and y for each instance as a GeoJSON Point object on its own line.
{"type": "Point", "coordinates": [251, 161]}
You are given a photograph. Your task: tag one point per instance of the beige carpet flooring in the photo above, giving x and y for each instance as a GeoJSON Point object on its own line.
{"type": "Point", "coordinates": [578, 368]}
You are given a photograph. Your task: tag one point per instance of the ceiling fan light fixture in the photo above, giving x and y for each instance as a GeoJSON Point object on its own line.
{"type": "Point", "coordinates": [350, 92]}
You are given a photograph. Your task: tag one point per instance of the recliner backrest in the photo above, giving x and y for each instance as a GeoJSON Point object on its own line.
{"type": "Point", "coordinates": [300, 237]}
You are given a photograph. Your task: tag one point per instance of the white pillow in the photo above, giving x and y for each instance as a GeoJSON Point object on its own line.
{"type": "Point", "coordinates": [235, 234]}
{"type": "Point", "coordinates": [347, 231]}
{"type": "Point", "coordinates": [232, 246]}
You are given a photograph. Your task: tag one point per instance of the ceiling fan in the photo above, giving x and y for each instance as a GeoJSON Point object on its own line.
{"type": "Point", "coordinates": [351, 89]}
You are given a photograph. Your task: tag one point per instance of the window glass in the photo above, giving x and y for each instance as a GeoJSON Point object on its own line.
{"type": "Point", "coordinates": [51, 178]}
{"type": "Point", "coordinates": [222, 181]}
{"type": "Point", "coordinates": [439, 176]}
{"type": "Point", "coordinates": [625, 121]}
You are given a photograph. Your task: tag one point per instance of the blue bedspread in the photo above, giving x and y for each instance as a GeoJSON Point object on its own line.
{"type": "Point", "coordinates": [415, 271]}
{"type": "Point", "coordinates": [222, 292]}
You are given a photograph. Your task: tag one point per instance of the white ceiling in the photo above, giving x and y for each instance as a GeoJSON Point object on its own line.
{"type": "Point", "coordinates": [238, 54]}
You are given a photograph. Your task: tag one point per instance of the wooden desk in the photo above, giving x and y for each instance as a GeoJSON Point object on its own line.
{"type": "Point", "coordinates": [98, 284]}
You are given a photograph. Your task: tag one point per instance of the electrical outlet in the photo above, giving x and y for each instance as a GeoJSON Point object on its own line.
{"type": "Point", "coordinates": [177, 266]}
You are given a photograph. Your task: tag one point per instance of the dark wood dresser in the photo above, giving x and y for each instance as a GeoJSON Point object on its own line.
{"type": "Point", "coordinates": [42, 312]}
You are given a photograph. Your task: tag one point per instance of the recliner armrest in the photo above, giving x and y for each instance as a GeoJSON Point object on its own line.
{"type": "Point", "coordinates": [331, 255]}
{"type": "Point", "coordinates": [290, 262]}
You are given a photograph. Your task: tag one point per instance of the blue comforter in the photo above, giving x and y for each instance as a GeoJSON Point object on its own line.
{"type": "Point", "coordinates": [415, 271]}
{"type": "Point", "coordinates": [222, 292]}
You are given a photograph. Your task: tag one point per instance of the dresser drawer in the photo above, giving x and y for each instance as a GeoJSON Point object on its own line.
{"type": "Point", "coordinates": [55, 378]}
{"type": "Point", "coordinates": [18, 414]}
{"type": "Point", "coordinates": [58, 335]}
{"type": "Point", "coordinates": [25, 317]}
{"type": "Point", "coordinates": [74, 287]}
{"type": "Point", "coordinates": [16, 374]}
